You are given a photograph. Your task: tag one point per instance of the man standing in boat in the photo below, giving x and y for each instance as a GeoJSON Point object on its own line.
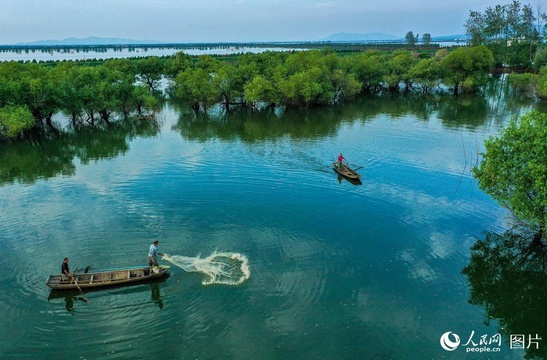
{"type": "Point", "coordinates": [153, 255]}
{"type": "Point", "coordinates": [340, 159]}
{"type": "Point", "coordinates": [65, 272]}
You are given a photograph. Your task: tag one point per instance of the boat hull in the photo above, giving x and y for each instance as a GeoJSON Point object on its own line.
{"type": "Point", "coordinates": [345, 171]}
{"type": "Point", "coordinates": [106, 278]}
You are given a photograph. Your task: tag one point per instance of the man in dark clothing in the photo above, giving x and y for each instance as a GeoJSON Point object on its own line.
{"type": "Point", "coordinates": [65, 272]}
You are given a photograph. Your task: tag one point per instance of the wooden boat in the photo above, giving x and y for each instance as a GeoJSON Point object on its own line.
{"type": "Point", "coordinates": [346, 171]}
{"type": "Point", "coordinates": [106, 278]}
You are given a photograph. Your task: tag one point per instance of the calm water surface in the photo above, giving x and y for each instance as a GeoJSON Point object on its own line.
{"type": "Point", "coordinates": [110, 53]}
{"type": "Point", "coordinates": [338, 271]}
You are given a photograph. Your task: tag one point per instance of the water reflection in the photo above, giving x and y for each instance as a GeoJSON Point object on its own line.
{"type": "Point", "coordinates": [70, 298]}
{"type": "Point", "coordinates": [340, 178]}
{"type": "Point", "coordinates": [73, 297]}
{"type": "Point", "coordinates": [156, 296]}
{"type": "Point", "coordinates": [49, 154]}
{"type": "Point", "coordinates": [507, 275]}
{"type": "Point", "coordinates": [469, 111]}
{"type": "Point", "coordinates": [46, 154]}
{"type": "Point", "coordinates": [252, 127]}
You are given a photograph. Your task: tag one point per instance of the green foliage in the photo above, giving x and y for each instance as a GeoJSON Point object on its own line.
{"type": "Point", "coordinates": [427, 73]}
{"type": "Point", "coordinates": [260, 89]}
{"type": "Point", "coordinates": [514, 169]}
{"type": "Point", "coordinates": [196, 86]}
{"type": "Point", "coordinates": [398, 66]}
{"type": "Point", "coordinates": [525, 83]}
{"type": "Point", "coordinates": [540, 59]}
{"type": "Point", "coordinates": [367, 67]}
{"type": "Point", "coordinates": [411, 40]}
{"type": "Point", "coordinates": [509, 31]}
{"type": "Point", "coordinates": [99, 92]}
{"type": "Point", "coordinates": [14, 120]}
{"type": "Point", "coordinates": [149, 71]}
{"type": "Point", "coordinates": [467, 67]}
{"type": "Point", "coordinates": [541, 86]}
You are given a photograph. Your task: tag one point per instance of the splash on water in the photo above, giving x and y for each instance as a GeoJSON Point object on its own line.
{"type": "Point", "coordinates": [220, 268]}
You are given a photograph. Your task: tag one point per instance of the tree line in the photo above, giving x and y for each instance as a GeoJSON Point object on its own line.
{"type": "Point", "coordinates": [513, 32]}
{"type": "Point", "coordinates": [32, 93]}
{"type": "Point", "coordinates": [514, 166]}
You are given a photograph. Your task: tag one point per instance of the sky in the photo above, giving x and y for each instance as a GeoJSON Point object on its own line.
{"type": "Point", "coordinates": [227, 21]}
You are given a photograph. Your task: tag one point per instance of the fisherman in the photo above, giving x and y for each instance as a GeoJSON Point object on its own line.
{"type": "Point", "coordinates": [340, 159]}
{"type": "Point", "coordinates": [153, 255]}
{"type": "Point", "coordinates": [65, 272]}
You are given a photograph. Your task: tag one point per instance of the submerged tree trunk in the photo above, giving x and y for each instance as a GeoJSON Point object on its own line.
{"type": "Point", "coordinates": [105, 115]}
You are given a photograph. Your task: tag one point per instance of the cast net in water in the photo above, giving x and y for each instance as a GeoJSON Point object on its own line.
{"type": "Point", "coordinates": [219, 268]}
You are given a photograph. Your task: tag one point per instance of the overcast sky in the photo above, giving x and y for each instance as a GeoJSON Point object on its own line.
{"type": "Point", "coordinates": [236, 20]}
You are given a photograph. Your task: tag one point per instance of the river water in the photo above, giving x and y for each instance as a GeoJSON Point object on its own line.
{"type": "Point", "coordinates": [337, 270]}
{"type": "Point", "coordinates": [90, 53]}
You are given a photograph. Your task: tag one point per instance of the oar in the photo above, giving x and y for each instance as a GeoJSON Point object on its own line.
{"type": "Point", "coordinates": [76, 282]}
{"type": "Point", "coordinates": [80, 290]}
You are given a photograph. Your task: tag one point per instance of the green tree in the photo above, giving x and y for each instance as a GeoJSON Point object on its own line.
{"type": "Point", "coordinates": [514, 170]}
{"type": "Point", "coordinates": [411, 39]}
{"type": "Point", "coordinates": [260, 89]}
{"type": "Point", "coordinates": [196, 86]}
{"type": "Point", "coordinates": [142, 100]}
{"type": "Point", "coordinates": [345, 86]}
{"type": "Point", "coordinates": [427, 73]}
{"type": "Point", "coordinates": [40, 90]}
{"type": "Point", "coordinates": [426, 39]}
{"type": "Point", "coordinates": [368, 68]}
{"type": "Point", "coordinates": [525, 83]}
{"type": "Point", "coordinates": [179, 62]}
{"type": "Point", "coordinates": [509, 31]}
{"type": "Point", "coordinates": [149, 70]}
{"type": "Point", "coordinates": [541, 83]}
{"type": "Point", "coordinates": [69, 95]}
{"type": "Point", "coordinates": [398, 67]}
{"type": "Point", "coordinates": [14, 120]}
{"type": "Point", "coordinates": [466, 68]}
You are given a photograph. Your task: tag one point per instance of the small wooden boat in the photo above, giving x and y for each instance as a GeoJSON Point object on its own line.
{"type": "Point", "coordinates": [106, 278]}
{"type": "Point", "coordinates": [346, 171]}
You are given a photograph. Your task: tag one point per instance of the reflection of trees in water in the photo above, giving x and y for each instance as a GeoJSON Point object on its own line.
{"type": "Point", "coordinates": [465, 111]}
{"type": "Point", "coordinates": [52, 153]}
{"type": "Point", "coordinates": [49, 154]}
{"type": "Point", "coordinates": [507, 275]}
{"type": "Point", "coordinates": [253, 127]}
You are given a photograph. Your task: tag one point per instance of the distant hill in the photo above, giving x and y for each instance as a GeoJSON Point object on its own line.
{"type": "Point", "coordinates": [89, 41]}
{"type": "Point", "coordinates": [341, 37]}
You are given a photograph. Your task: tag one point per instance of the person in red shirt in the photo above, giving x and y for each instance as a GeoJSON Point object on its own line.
{"type": "Point", "coordinates": [340, 159]}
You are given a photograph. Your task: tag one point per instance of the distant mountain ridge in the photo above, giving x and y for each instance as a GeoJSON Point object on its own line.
{"type": "Point", "coordinates": [90, 41]}
{"type": "Point", "coordinates": [337, 37]}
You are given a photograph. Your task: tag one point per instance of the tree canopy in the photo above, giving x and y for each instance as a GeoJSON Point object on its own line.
{"type": "Point", "coordinates": [120, 88]}
{"type": "Point", "coordinates": [512, 32]}
{"type": "Point", "coordinates": [514, 170]}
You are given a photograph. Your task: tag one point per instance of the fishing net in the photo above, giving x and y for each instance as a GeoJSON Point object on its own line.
{"type": "Point", "coordinates": [219, 268]}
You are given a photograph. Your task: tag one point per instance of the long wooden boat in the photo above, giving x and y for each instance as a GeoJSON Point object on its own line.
{"type": "Point", "coordinates": [106, 278]}
{"type": "Point", "coordinates": [346, 171]}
